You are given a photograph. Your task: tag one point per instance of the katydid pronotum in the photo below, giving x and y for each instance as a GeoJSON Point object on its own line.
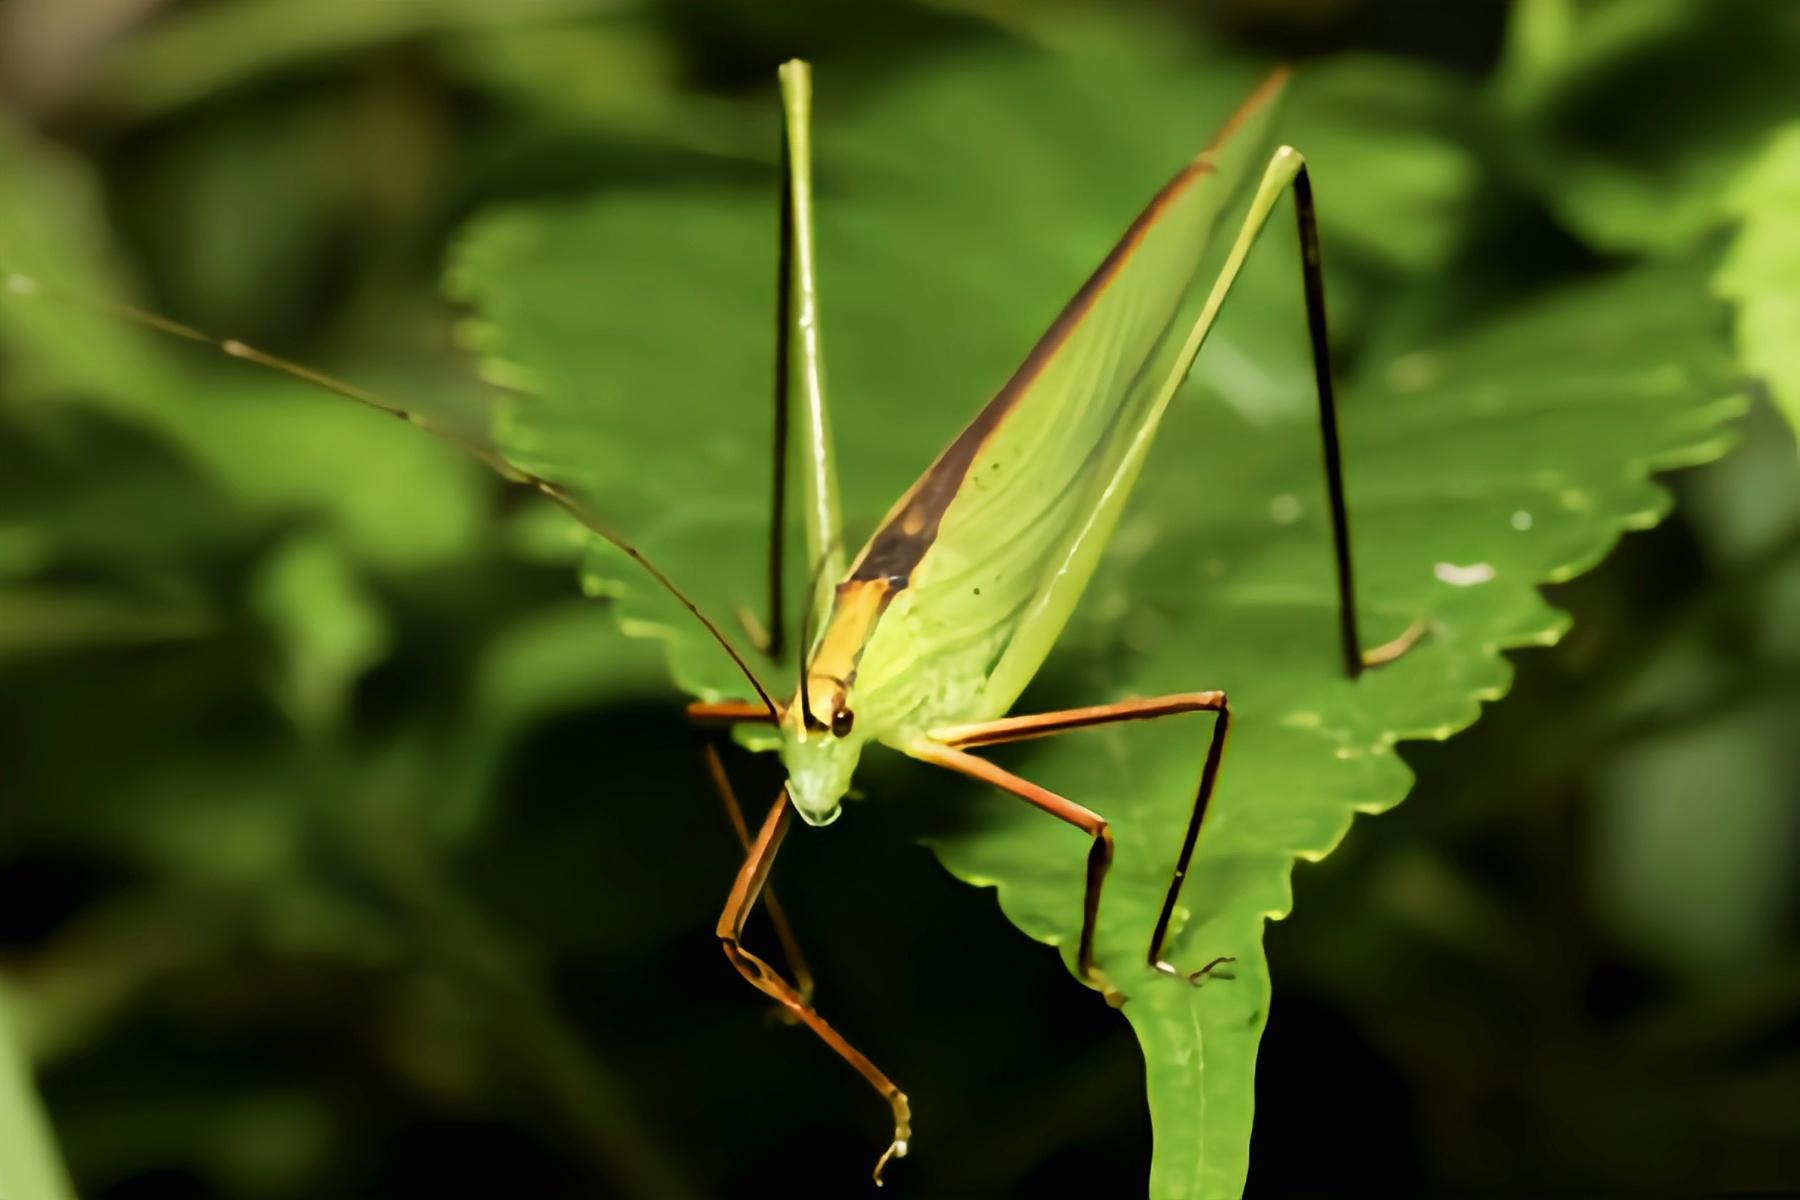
{"type": "Point", "coordinates": [925, 640]}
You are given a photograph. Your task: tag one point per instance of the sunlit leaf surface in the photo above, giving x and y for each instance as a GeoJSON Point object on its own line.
{"type": "Point", "coordinates": [1762, 272]}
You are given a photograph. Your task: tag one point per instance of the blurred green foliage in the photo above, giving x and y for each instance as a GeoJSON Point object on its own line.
{"type": "Point", "coordinates": [345, 851]}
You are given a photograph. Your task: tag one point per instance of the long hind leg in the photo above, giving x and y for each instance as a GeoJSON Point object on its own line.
{"type": "Point", "coordinates": [948, 747]}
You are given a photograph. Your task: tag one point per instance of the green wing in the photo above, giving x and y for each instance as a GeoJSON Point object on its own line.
{"type": "Point", "coordinates": [991, 549]}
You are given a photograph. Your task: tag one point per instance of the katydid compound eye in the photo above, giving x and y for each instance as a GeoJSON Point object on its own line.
{"type": "Point", "coordinates": [841, 722]}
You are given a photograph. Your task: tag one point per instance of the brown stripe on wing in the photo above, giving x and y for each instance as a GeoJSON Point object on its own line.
{"type": "Point", "coordinates": [911, 527]}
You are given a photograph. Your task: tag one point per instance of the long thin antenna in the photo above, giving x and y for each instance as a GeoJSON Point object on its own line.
{"type": "Point", "coordinates": [25, 285]}
{"type": "Point", "coordinates": [784, 304]}
{"type": "Point", "coordinates": [806, 631]}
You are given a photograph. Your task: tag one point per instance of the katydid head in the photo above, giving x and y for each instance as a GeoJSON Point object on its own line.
{"type": "Point", "coordinates": [819, 769]}
{"type": "Point", "coordinates": [820, 748]}
{"type": "Point", "coordinates": [820, 741]}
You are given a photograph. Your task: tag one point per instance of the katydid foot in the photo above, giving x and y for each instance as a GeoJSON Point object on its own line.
{"type": "Point", "coordinates": [1390, 651]}
{"type": "Point", "coordinates": [902, 1133]}
{"type": "Point", "coordinates": [1209, 971]}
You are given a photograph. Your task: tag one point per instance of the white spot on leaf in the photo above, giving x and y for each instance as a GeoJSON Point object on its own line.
{"type": "Point", "coordinates": [1467, 576]}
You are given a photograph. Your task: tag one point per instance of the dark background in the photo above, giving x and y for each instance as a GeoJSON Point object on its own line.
{"type": "Point", "coordinates": [1569, 962]}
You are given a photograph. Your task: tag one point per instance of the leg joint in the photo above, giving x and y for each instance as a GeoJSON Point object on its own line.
{"type": "Point", "coordinates": [752, 968]}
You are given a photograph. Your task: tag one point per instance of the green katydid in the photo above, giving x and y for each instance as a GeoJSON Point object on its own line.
{"type": "Point", "coordinates": [927, 637]}
{"type": "Point", "coordinates": [932, 632]}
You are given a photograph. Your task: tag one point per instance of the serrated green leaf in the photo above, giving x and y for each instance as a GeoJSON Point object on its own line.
{"type": "Point", "coordinates": [959, 209]}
